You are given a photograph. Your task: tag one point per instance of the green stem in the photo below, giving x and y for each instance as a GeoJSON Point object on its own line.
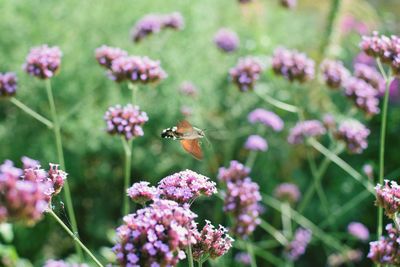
{"type": "Point", "coordinates": [286, 219]}
{"type": "Point", "coordinates": [190, 255]}
{"type": "Point", "coordinates": [31, 112]}
{"type": "Point", "coordinates": [274, 232]}
{"type": "Point", "coordinates": [250, 251]}
{"type": "Point", "coordinates": [276, 103]}
{"type": "Point", "coordinates": [251, 159]}
{"type": "Point", "coordinates": [200, 263]}
{"type": "Point", "coordinates": [332, 18]}
{"type": "Point", "coordinates": [127, 178]}
{"type": "Point", "coordinates": [262, 253]}
{"type": "Point", "coordinates": [133, 88]}
{"type": "Point", "coordinates": [60, 155]}
{"type": "Point", "coordinates": [75, 238]}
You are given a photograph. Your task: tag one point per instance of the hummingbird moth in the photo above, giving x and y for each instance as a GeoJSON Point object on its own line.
{"type": "Point", "coordinates": [188, 136]}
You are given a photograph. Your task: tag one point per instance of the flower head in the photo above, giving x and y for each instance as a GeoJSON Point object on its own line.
{"type": "Point", "coordinates": [105, 55]}
{"type": "Point", "coordinates": [293, 65]}
{"type": "Point", "coordinates": [339, 259]}
{"type": "Point", "coordinates": [370, 75]}
{"type": "Point", "coordinates": [354, 134]}
{"type": "Point", "coordinates": [309, 128]}
{"type": "Point", "coordinates": [43, 61]}
{"type": "Point", "coordinates": [243, 258]}
{"type": "Point", "coordinates": [365, 96]}
{"type": "Point", "coordinates": [287, 192]}
{"type": "Point", "coordinates": [387, 249]}
{"type": "Point", "coordinates": [188, 88]}
{"type": "Point", "coordinates": [246, 73]}
{"type": "Point", "coordinates": [236, 171]}
{"type": "Point", "coordinates": [126, 121]}
{"type": "Point", "coordinates": [299, 244]}
{"type": "Point", "coordinates": [267, 118]}
{"type": "Point", "coordinates": [358, 230]}
{"type": "Point", "coordinates": [388, 197]}
{"type": "Point", "coordinates": [173, 21]}
{"type": "Point", "coordinates": [226, 40]}
{"type": "Point", "coordinates": [329, 121]}
{"type": "Point", "coordinates": [186, 186]}
{"type": "Point", "coordinates": [288, 3]}
{"type": "Point", "coordinates": [334, 73]}
{"type": "Point", "coordinates": [368, 170]}
{"type": "Point", "coordinates": [142, 192]}
{"type": "Point", "coordinates": [8, 84]}
{"type": "Point", "coordinates": [256, 143]}
{"type": "Point", "coordinates": [57, 177]}
{"type": "Point", "coordinates": [29, 163]}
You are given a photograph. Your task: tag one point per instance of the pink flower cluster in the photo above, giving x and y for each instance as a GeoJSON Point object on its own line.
{"type": "Point", "coordinates": [334, 73]}
{"type": "Point", "coordinates": [365, 96]}
{"type": "Point", "coordinates": [211, 242]}
{"type": "Point", "coordinates": [61, 263]}
{"type": "Point", "coordinates": [266, 117]}
{"type": "Point", "coordinates": [105, 55]}
{"type": "Point", "coordinates": [186, 186]}
{"type": "Point", "coordinates": [235, 172]}
{"type": "Point", "coordinates": [293, 65]}
{"type": "Point", "coordinates": [304, 129]}
{"type": "Point", "coordinates": [43, 61]}
{"type": "Point", "coordinates": [288, 3]}
{"type": "Point", "coordinates": [8, 84]}
{"type": "Point", "coordinates": [126, 121]}
{"type": "Point", "coordinates": [370, 75]}
{"type": "Point", "coordinates": [188, 88]}
{"type": "Point", "coordinates": [354, 134]}
{"type": "Point", "coordinates": [156, 235]}
{"type": "Point", "coordinates": [387, 249]}
{"type": "Point", "coordinates": [287, 192]}
{"type": "Point", "coordinates": [349, 256]}
{"type": "Point", "coordinates": [256, 143]}
{"type": "Point", "coordinates": [26, 194]}
{"type": "Point", "coordinates": [388, 197]}
{"type": "Point", "coordinates": [226, 40]}
{"type": "Point", "coordinates": [246, 73]}
{"type": "Point", "coordinates": [299, 244]}
{"type": "Point", "coordinates": [142, 192]}
{"type": "Point", "coordinates": [358, 230]}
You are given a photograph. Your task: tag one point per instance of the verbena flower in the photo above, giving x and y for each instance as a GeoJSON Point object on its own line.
{"type": "Point", "coordinates": [61, 263]}
{"type": "Point", "coordinates": [349, 256]}
{"type": "Point", "coordinates": [243, 258]}
{"type": "Point", "coordinates": [126, 121]}
{"type": "Point", "coordinates": [268, 118]}
{"type": "Point", "coordinates": [236, 171]}
{"type": "Point", "coordinates": [8, 84]}
{"type": "Point", "coordinates": [43, 61]}
{"type": "Point", "coordinates": [188, 88]}
{"type": "Point", "coordinates": [293, 65]}
{"type": "Point", "coordinates": [354, 134]}
{"type": "Point", "coordinates": [363, 58]}
{"type": "Point", "coordinates": [57, 177]}
{"type": "Point", "coordinates": [365, 96]}
{"type": "Point", "coordinates": [288, 3]}
{"type": "Point", "coordinates": [304, 129]}
{"type": "Point", "coordinates": [186, 186]}
{"type": "Point", "coordinates": [226, 40]}
{"type": "Point", "coordinates": [388, 197]}
{"type": "Point", "coordinates": [386, 250]}
{"type": "Point", "coordinates": [358, 230]}
{"type": "Point", "coordinates": [29, 163]}
{"type": "Point", "coordinates": [368, 170]}
{"type": "Point", "coordinates": [287, 192]}
{"type": "Point", "coordinates": [173, 21]}
{"type": "Point", "coordinates": [105, 55]}
{"type": "Point", "coordinates": [371, 76]}
{"type": "Point", "coordinates": [329, 121]}
{"type": "Point", "coordinates": [186, 111]}
{"type": "Point", "coordinates": [156, 235]}
{"type": "Point", "coordinates": [246, 73]}
{"type": "Point", "coordinates": [298, 245]}
{"type": "Point", "coordinates": [136, 69]}
{"type": "Point", "coordinates": [334, 73]}
{"type": "Point", "coordinates": [142, 192]}
{"type": "Point", "coordinates": [256, 143]}
{"type": "Point", "coordinates": [211, 242]}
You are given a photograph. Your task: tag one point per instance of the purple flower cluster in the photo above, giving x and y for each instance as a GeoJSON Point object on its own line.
{"type": "Point", "coordinates": [365, 96]}
{"type": "Point", "coordinates": [334, 73]}
{"type": "Point", "coordinates": [235, 172]}
{"type": "Point", "coordinates": [354, 134]}
{"type": "Point", "coordinates": [329, 121]}
{"type": "Point", "coordinates": [126, 121]}
{"type": "Point", "coordinates": [211, 242]}
{"type": "Point", "coordinates": [186, 186]}
{"type": "Point", "coordinates": [142, 192]}
{"type": "Point", "coordinates": [358, 230]}
{"type": "Point", "coordinates": [349, 256]}
{"type": "Point", "coordinates": [388, 197]}
{"type": "Point", "coordinates": [188, 88]}
{"type": "Point", "coordinates": [43, 61]}
{"type": "Point", "coordinates": [293, 65]}
{"type": "Point", "coordinates": [154, 23]}
{"type": "Point", "coordinates": [387, 49]}
{"type": "Point", "coordinates": [156, 235]}
{"type": "Point", "coordinates": [304, 129]}
{"type": "Point", "coordinates": [105, 55]}
{"type": "Point", "coordinates": [287, 192]}
{"type": "Point", "coordinates": [26, 194]}
{"type": "Point", "coordinates": [61, 263]}
{"type": "Point", "coordinates": [288, 3]}
{"type": "Point", "coordinates": [8, 84]}
{"type": "Point", "coordinates": [243, 258]}
{"type": "Point", "coordinates": [299, 244]}
{"type": "Point", "coordinates": [268, 118]}
{"type": "Point", "coordinates": [246, 73]}
{"type": "Point", "coordinates": [368, 170]}
{"type": "Point", "coordinates": [256, 143]}
{"type": "Point", "coordinates": [386, 250]}
{"type": "Point", "coordinates": [226, 40]}
{"type": "Point", "coordinates": [370, 75]}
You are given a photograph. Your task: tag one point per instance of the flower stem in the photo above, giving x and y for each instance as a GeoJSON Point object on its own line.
{"type": "Point", "coordinates": [190, 255]}
{"type": "Point", "coordinates": [200, 263]}
{"type": "Point", "coordinates": [277, 235]}
{"type": "Point", "coordinates": [249, 249]}
{"type": "Point", "coordinates": [330, 27]}
{"type": "Point", "coordinates": [133, 88]}
{"type": "Point", "coordinates": [251, 159]}
{"type": "Point", "coordinates": [127, 179]}
{"type": "Point", "coordinates": [60, 155]}
{"type": "Point", "coordinates": [31, 112]}
{"type": "Point", "coordinates": [75, 238]}
{"type": "Point", "coordinates": [276, 103]}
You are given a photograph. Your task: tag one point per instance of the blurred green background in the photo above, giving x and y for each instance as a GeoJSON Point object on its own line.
{"type": "Point", "coordinates": [94, 159]}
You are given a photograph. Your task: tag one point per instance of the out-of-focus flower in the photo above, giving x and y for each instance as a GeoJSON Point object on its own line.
{"type": "Point", "coordinates": [334, 73]}
{"type": "Point", "coordinates": [370, 75]}
{"type": "Point", "coordinates": [8, 84]}
{"type": "Point", "coordinates": [293, 65]}
{"type": "Point", "coordinates": [350, 23]}
{"type": "Point", "coordinates": [186, 111]}
{"type": "Point", "coordinates": [211, 242]}
{"type": "Point", "coordinates": [126, 121]}
{"type": "Point", "coordinates": [256, 143]}
{"type": "Point", "coordinates": [365, 96]}
{"type": "Point", "coordinates": [136, 70]}
{"type": "Point", "coordinates": [186, 186]}
{"type": "Point", "coordinates": [235, 172]}
{"type": "Point", "coordinates": [358, 230]}
{"type": "Point", "coordinates": [394, 91]}
{"type": "Point", "coordinates": [226, 40]}
{"type": "Point", "coordinates": [368, 171]}
{"type": "Point", "coordinates": [388, 197]}
{"type": "Point", "coordinates": [173, 21]}
{"type": "Point", "coordinates": [304, 129]}
{"type": "Point", "coordinates": [363, 58]}
{"type": "Point", "coordinates": [105, 55]}
{"type": "Point", "coordinates": [245, 1]}
{"type": "Point", "coordinates": [298, 245]}
{"type": "Point", "coordinates": [61, 263]}
{"type": "Point", "coordinates": [156, 235]}
{"type": "Point", "coordinates": [354, 134]}
{"type": "Point", "coordinates": [287, 192]}
{"type": "Point", "coordinates": [29, 163]}
{"type": "Point", "coordinates": [387, 249]}
{"type": "Point", "coordinates": [188, 88]}
{"type": "Point", "coordinates": [142, 192]}
{"type": "Point", "coordinates": [43, 61]}
{"type": "Point", "coordinates": [26, 194]}
{"type": "Point", "coordinates": [336, 260]}
{"type": "Point", "coordinates": [246, 73]}
{"type": "Point", "coordinates": [243, 258]}
{"type": "Point", "coordinates": [288, 3]}
{"type": "Point", "coordinates": [267, 118]}
{"type": "Point", "coordinates": [329, 121]}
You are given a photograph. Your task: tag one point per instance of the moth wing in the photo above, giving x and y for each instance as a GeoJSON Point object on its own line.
{"type": "Point", "coordinates": [184, 127]}
{"type": "Point", "coordinates": [193, 147]}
